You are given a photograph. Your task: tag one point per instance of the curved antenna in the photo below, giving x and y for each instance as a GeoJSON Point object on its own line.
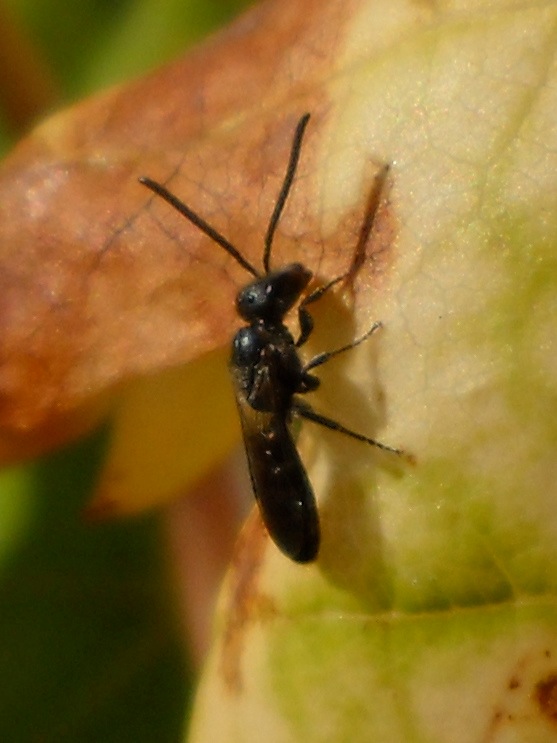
{"type": "Point", "coordinates": [200, 223]}
{"type": "Point", "coordinates": [283, 195]}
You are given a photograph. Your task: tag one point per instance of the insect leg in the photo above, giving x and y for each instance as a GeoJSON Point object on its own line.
{"type": "Point", "coordinates": [322, 358]}
{"type": "Point", "coordinates": [306, 411]}
{"type": "Point", "coordinates": [305, 320]}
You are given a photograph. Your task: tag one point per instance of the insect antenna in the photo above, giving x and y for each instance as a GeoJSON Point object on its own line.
{"type": "Point", "coordinates": [283, 195]}
{"type": "Point", "coordinates": [199, 222]}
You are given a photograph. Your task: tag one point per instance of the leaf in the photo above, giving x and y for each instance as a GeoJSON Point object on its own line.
{"type": "Point", "coordinates": [100, 285]}
{"type": "Point", "coordinates": [89, 647]}
{"type": "Point", "coordinates": [430, 614]}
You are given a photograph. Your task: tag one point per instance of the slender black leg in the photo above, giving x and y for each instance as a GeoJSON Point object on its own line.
{"type": "Point", "coordinates": [305, 320]}
{"type": "Point", "coordinates": [306, 411]}
{"type": "Point", "coordinates": [322, 358]}
{"type": "Point", "coordinates": [318, 293]}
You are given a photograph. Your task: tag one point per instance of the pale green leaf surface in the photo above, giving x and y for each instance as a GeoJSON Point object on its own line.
{"type": "Point", "coordinates": [431, 614]}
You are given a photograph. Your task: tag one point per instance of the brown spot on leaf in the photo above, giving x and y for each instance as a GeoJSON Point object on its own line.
{"type": "Point", "coordinates": [546, 695]}
{"type": "Point", "coordinates": [246, 603]}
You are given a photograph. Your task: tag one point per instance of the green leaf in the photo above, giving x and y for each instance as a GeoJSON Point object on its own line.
{"type": "Point", "coordinates": [431, 615]}
{"type": "Point", "coordinates": [88, 650]}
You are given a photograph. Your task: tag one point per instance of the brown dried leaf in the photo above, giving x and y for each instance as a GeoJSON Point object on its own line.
{"type": "Point", "coordinates": [99, 283]}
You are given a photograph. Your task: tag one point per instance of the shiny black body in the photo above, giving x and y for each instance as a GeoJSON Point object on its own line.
{"type": "Point", "coordinates": [267, 373]}
{"type": "Point", "coordinates": [268, 376]}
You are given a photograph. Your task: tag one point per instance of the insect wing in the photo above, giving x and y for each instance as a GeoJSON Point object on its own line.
{"type": "Point", "coordinates": [280, 483]}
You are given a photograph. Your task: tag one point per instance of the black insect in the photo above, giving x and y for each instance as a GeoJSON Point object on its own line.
{"type": "Point", "coordinates": [268, 376]}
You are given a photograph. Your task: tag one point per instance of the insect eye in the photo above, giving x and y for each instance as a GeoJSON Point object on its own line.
{"type": "Point", "coordinates": [250, 302]}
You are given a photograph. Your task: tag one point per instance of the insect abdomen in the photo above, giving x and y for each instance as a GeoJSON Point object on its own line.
{"type": "Point", "coordinates": [280, 484]}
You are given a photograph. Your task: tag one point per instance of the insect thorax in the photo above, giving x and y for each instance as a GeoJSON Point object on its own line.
{"type": "Point", "coordinates": [266, 366]}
